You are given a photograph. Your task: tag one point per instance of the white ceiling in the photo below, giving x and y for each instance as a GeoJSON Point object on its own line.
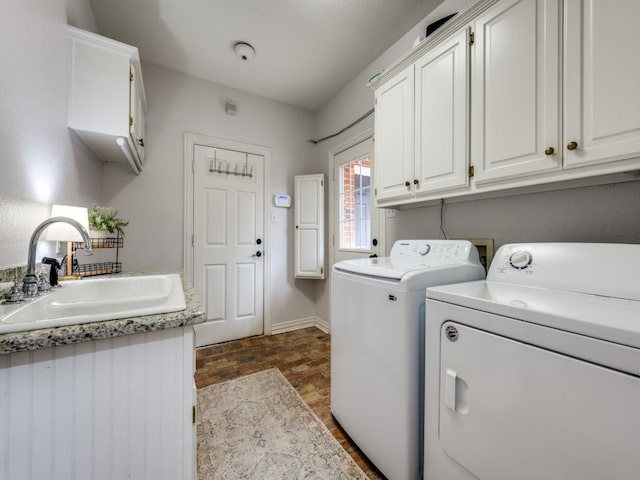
{"type": "Point", "coordinates": [306, 50]}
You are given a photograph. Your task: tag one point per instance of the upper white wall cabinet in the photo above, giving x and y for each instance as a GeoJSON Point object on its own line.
{"type": "Point", "coordinates": [516, 89]}
{"type": "Point", "coordinates": [107, 102]}
{"type": "Point", "coordinates": [394, 103]}
{"type": "Point", "coordinates": [553, 96]}
{"type": "Point", "coordinates": [308, 207]}
{"type": "Point", "coordinates": [601, 94]}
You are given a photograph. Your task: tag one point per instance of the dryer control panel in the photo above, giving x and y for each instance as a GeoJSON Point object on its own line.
{"type": "Point", "coordinates": [576, 267]}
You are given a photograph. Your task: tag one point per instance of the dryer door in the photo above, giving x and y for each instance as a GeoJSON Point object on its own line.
{"type": "Point", "coordinates": [509, 410]}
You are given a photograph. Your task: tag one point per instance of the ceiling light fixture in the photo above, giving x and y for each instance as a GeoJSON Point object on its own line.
{"type": "Point", "coordinates": [244, 51]}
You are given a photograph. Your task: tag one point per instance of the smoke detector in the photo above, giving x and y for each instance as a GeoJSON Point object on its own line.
{"type": "Point", "coordinates": [244, 51]}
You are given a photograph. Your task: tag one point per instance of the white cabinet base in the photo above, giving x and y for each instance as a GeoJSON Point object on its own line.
{"type": "Point", "coordinates": [110, 409]}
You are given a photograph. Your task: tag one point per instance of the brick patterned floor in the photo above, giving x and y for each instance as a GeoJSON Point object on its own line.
{"type": "Point", "coordinates": [303, 356]}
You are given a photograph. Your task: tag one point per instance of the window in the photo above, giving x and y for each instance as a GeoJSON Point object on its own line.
{"type": "Point", "coordinates": [355, 204]}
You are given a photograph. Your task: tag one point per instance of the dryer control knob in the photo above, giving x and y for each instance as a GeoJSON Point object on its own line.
{"type": "Point", "coordinates": [425, 250]}
{"type": "Point", "coordinates": [520, 259]}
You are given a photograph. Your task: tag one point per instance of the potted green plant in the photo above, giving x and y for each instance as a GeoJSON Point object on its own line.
{"type": "Point", "coordinates": [104, 221]}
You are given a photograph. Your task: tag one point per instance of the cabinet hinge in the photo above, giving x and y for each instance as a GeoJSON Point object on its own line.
{"type": "Point", "coordinates": [333, 240]}
{"type": "Point", "coordinates": [375, 192]}
{"type": "Point", "coordinates": [131, 75]}
{"type": "Point", "coordinates": [322, 183]}
{"type": "Point", "coordinates": [130, 121]}
{"type": "Point", "coordinates": [472, 38]}
{"type": "Point", "coordinates": [472, 171]}
{"type": "Point", "coordinates": [193, 241]}
{"type": "Point", "coordinates": [321, 270]}
{"type": "Point", "coordinates": [193, 414]}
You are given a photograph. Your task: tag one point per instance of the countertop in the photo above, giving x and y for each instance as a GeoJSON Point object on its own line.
{"type": "Point", "coordinates": [50, 337]}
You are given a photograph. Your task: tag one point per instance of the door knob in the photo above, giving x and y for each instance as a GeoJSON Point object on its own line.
{"type": "Point", "coordinates": [572, 145]}
{"type": "Point", "coordinates": [257, 254]}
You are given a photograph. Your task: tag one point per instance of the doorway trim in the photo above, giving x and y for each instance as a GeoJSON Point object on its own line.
{"type": "Point", "coordinates": [351, 142]}
{"type": "Point", "coordinates": [190, 142]}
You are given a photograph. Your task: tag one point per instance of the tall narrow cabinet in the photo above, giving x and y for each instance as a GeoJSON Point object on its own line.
{"type": "Point", "coordinates": [309, 226]}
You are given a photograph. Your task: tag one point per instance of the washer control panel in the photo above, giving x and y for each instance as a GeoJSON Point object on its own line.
{"type": "Point", "coordinates": [433, 250]}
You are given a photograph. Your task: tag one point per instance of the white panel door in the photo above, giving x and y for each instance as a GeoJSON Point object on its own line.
{"type": "Point", "coordinates": [510, 410]}
{"type": "Point", "coordinates": [442, 116]}
{"type": "Point", "coordinates": [394, 136]}
{"type": "Point", "coordinates": [228, 243]}
{"type": "Point", "coordinates": [602, 71]}
{"type": "Point", "coordinates": [356, 219]}
{"type": "Point", "coordinates": [309, 225]}
{"type": "Point", "coordinates": [516, 86]}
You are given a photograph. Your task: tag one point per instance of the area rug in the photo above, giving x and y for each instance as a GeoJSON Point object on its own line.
{"type": "Point", "coordinates": [258, 427]}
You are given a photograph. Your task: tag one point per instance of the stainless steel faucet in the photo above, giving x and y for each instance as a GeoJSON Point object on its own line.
{"type": "Point", "coordinates": [30, 286]}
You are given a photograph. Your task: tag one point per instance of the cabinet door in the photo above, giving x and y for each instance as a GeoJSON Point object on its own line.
{"type": "Point", "coordinates": [515, 84]}
{"type": "Point", "coordinates": [394, 137]}
{"type": "Point", "coordinates": [442, 116]}
{"type": "Point", "coordinates": [309, 226]}
{"type": "Point", "coordinates": [136, 119]}
{"type": "Point", "coordinates": [510, 410]}
{"type": "Point", "coordinates": [602, 68]}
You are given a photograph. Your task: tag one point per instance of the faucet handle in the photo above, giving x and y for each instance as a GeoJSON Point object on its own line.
{"type": "Point", "coordinates": [15, 295]}
{"type": "Point", "coordinates": [43, 282]}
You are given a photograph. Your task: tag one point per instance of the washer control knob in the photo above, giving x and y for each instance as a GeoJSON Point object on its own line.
{"type": "Point", "coordinates": [425, 250]}
{"type": "Point", "coordinates": [520, 259]}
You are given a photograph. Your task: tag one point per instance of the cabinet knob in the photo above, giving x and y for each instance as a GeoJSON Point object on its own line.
{"type": "Point", "coordinates": [549, 151]}
{"type": "Point", "coordinates": [415, 181]}
{"type": "Point", "coordinates": [572, 145]}
{"type": "Point", "coordinates": [407, 184]}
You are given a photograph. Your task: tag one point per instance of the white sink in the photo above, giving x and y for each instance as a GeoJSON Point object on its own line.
{"type": "Point", "coordinates": [94, 300]}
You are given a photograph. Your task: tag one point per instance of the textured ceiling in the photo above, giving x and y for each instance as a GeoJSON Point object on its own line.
{"type": "Point", "coordinates": [306, 50]}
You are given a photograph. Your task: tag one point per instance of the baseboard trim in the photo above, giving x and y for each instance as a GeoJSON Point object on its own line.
{"type": "Point", "coordinates": [300, 323]}
{"type": "Point", "coordinates": [323, 325]}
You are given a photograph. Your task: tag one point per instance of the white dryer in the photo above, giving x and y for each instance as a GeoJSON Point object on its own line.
{"type": "Point", "coordinates": [377, 347]}
{"type": "Point", "coordinates": [535, 373]}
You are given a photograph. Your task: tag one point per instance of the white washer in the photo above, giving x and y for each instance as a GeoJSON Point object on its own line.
{"type": "Point", "coordinates": [535, 373]}
{"type": "Point", "coordinates": [377, 347]}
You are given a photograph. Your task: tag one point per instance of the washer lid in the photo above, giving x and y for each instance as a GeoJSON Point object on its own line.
{"type": "Point", "coordinates": [412, 256]}
{"type": "Point", "coordinates": [385, 267]}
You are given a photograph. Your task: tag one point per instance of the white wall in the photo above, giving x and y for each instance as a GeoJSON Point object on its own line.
{"type": "Point", "coordinates": [605, 213]}
{"type": "Point", "coordinates": [41, 162]}
{"type": "Point", "coordinates": [154, 201]}
{"type": "Point", "coordinates": [608, 213]}
{"type": "Point", "coordinates": [354, 100]}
